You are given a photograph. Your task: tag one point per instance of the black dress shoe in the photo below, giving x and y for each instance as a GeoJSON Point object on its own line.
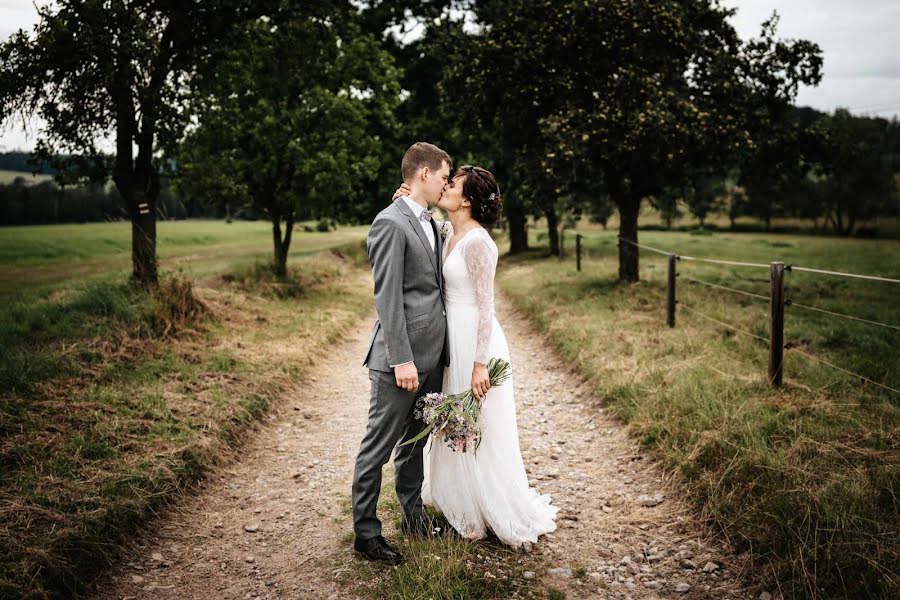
{"type": "Point", "coordinates": [377, 548]}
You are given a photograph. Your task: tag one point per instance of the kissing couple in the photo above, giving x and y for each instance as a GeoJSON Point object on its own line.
{"type": "Point", "coordinates": [436, 332]}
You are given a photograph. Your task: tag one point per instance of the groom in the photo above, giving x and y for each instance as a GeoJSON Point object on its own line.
{"type": "Point", "coordinates": [408, 350]}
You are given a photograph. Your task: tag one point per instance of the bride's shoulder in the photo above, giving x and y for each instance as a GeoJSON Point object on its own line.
{"type": "Point", "coordinates": [485, 235]}
{"type": "Point", "coordinates": [480, 240]}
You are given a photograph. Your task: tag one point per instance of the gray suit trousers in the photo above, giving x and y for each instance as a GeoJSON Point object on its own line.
{"type": "Point", "coordinates": [391, 421]}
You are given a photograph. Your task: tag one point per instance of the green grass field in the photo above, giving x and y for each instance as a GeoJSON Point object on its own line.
{"type": "Point", "coordinates": [7, 177]}
{"type": "Point", "coordinates": [43, 256]}
{"type": "Point", "coordinates": [805, 476]}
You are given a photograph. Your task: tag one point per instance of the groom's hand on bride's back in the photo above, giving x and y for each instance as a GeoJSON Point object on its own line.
{"type": "Point", "coordinates": [403, 190]}
{"type": "Point", "coordinates": [407, 376]}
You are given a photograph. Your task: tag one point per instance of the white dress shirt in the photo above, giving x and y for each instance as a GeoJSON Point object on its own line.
{"type": "Point", "coordinates": [418, 209]}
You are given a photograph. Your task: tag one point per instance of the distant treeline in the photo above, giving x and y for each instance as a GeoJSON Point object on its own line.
{"type": "Point", "coordinates": [21, 161]}
{"type": "Point", "coordinates": [47, 202]}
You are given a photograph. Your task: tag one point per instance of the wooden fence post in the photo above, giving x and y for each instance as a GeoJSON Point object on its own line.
{"type": "Point", "coordinates": [670, 298]}
{"type": "Point", "coordinates": [776, 322]}
{"type": "Point", "coordinates": [578, 251]}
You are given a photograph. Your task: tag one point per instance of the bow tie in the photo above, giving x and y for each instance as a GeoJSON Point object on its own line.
{"type": "Point", "coordinates": [425, 215]}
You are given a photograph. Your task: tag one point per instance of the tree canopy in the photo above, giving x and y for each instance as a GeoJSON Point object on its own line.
{"type": "Point", "coordinates": [287, 126]}
{"type": "Point", "coordinates": [102, 74]}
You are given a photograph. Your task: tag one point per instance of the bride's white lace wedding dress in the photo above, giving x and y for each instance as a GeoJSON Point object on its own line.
{"type": "Point", "coordinates": [487, 490]}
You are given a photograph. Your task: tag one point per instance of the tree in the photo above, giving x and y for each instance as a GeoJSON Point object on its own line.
{"type": "Point", "coordinates": [856, 169]}
{"type": "Point", "coordinates": [495, 75]}
{"type": "Point", "coordinates": [284, 121]}
{"type": "Point", "coordinates": [657, 90]}
{"type": "Point", "coordinates": [95, 69]}
{"type": "Point", "coordinates": [703, 194]}
{"type": "Point", "coordinates": [736, 199]}
{"type": "Point", "coordinates": [640, 90]}
{"type": "Point", "coordinates": [772, 162]}
{"type": "Point", "coordinates": [666, 202]}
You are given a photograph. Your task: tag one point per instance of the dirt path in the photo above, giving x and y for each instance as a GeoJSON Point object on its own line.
{"type": "Point", "coordinates": [292, 485]}
{"type": "Point", "coordinates": [608, 544]}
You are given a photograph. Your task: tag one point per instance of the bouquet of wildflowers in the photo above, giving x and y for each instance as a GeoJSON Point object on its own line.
{"type": "Point", "coordinates": [456, 416]}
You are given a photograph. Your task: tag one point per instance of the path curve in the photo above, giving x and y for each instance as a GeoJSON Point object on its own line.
{"type": "Point", "coordinates": [292, 482]}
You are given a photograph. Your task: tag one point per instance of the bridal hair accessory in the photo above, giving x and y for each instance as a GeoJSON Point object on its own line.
{"type": "Point", "coordinates": [492, 196]}
{"type": "Point", "coordinates": [456, 416]}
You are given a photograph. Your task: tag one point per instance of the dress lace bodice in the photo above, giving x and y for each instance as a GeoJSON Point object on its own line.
{"type": "Point", "coordinates": [469, 269]}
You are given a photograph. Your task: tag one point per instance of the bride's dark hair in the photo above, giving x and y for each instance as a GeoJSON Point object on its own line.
{"type": "Point", "coordinates": [482, 190]}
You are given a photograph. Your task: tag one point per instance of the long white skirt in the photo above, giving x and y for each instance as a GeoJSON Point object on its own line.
{"type": "Point", "coordinates": [487, 490]}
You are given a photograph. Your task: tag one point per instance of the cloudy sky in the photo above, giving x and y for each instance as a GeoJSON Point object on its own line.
{"type": "Point", "coordinates": [860, 41]}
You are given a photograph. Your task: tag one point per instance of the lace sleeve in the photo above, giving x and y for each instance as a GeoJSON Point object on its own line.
{"type": "Point", "coordinates": [480, 257]}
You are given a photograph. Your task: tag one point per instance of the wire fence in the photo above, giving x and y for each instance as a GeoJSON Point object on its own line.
{"type": "Point", "coordinates": [777, 304]}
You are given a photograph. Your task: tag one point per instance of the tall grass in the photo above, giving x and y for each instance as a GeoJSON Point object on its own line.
{"type": "Point", "coordinates": [805, 477]}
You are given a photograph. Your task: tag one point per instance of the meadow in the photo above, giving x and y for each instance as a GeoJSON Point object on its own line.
{"type": "Point", "coordinates": [44, 256]}
{"type": "Point", "coordinates": [7, 177]}
{"type": "Point", "coordinates": [115, 401]}
{"type": "Point", "coordinates": [803, 476]}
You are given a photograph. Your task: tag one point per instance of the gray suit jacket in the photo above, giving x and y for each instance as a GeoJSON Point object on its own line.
{"type": "Point", "coordinates": [409, 293]}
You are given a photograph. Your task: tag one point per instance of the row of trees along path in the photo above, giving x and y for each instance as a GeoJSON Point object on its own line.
{"type": "Point", "coordinates": [274, 523]}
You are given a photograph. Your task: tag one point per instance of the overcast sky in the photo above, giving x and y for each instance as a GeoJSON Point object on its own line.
{"type": "Point", "coordinates": [860, 41]}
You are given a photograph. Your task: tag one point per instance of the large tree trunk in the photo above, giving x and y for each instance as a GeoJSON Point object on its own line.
{"type": "Point", "coordinates": [143, 243]}
{"type": "Point", "coordinates": [628, 253]}
{"type": "Point", "coordinates": [138, 186]}
{"type": "Point", "coordinates": [286, 241]}
{"type": "Point", "coordinates": [279, 264]}
{"type": "Point", "coordinates": [143, 220]}
{"type": "Point", "coordinates": [552, 229]}
{"type": "Point", "coordinates": [515, 215]}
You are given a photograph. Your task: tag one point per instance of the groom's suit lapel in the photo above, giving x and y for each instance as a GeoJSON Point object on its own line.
{"type": "Point", "coordinates": [438, 253]}
{"type": "Point", "coordinates": [414, 223]}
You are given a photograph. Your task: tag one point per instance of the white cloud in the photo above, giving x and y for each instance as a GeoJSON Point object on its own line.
{"type": "Point", "coordinates": [860, 47]}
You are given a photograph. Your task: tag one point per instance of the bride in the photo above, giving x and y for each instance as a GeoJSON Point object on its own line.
{"type": "Point", "coordinates": [488, 492]}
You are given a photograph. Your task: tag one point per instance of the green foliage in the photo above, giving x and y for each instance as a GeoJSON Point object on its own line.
{"type": "Point", "coordinates": [633, 93]}
{"type": "Point", "coordinates": [284, 121]}
{"type": "Point", "coordinates": [857, 169]}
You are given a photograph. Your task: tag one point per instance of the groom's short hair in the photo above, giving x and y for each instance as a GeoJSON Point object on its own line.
{"type": "Point", "coordinates": [422, 154]}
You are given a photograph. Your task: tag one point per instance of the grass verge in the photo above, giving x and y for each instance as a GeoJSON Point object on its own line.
{"type": "Point", "coordinates": [805, 477]}
{"type": "Point", "coordinates": [114, 402]}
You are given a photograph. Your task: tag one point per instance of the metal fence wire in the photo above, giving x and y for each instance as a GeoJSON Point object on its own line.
{"type": "Point", "coordinates": [777, 304]}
